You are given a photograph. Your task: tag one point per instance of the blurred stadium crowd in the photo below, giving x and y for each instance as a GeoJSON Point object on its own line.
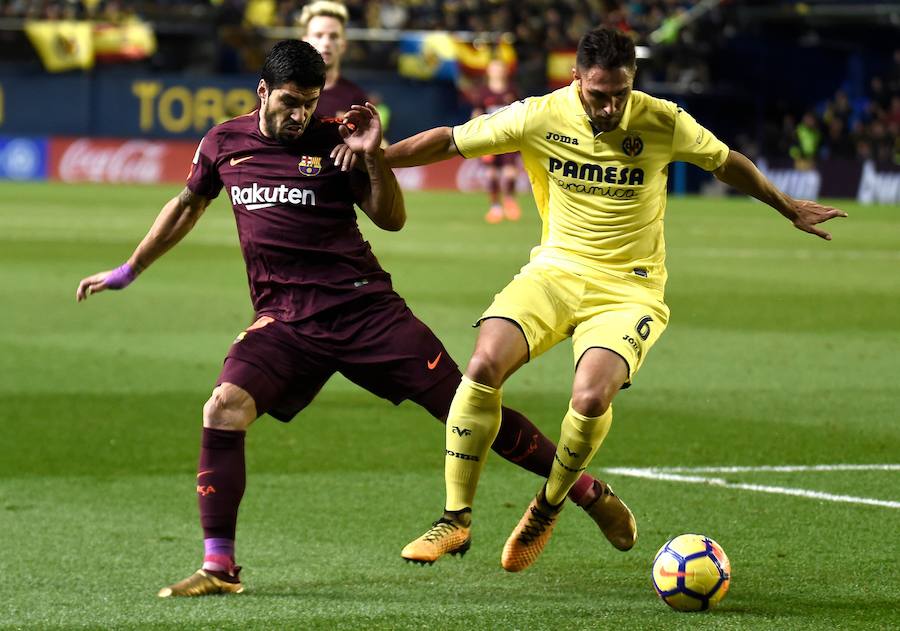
{"type": "Point", "coordinates": [229, 36]}
{"type": "Point", "coordinates": [553, 24]}
{"type": "Point", "coordinates": [866, 128]}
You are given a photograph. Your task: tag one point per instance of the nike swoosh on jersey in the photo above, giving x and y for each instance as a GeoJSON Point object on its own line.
{"type": "Point", "coordinates": [236, 161]}
{"type": "Point", "coordinates": [433, 364]}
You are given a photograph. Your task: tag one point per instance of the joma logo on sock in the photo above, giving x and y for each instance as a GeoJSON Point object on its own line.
{"type": "Point", "coordinates": [572, 454]}
{"type": "Point", "coordinates": [565, 466]}
{"type": "Point", "coordinates": [456, 454]}
{"type": "Point", "coordinates": [461, 431]}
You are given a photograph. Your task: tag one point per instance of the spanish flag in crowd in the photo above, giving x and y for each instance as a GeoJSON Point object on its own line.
{"type": "Point", "coordinates": [128, 41]}
{"type": "Point", "coordinates": [559, 68]}
{"type": "Point", "coordinates": [474, 57]}
{"type": "Point", "coordinates": [75, 45]}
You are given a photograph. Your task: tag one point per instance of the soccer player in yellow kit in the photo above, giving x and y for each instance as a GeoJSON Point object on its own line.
{"type": "Point", "coordinates": [597, 155]}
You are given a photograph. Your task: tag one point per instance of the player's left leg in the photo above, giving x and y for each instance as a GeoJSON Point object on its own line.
{"type": "Point", "coordinates": [599, 376]}
{"type": "Point", "coordinates": [618, 323]}
{"type": "Point", "coordinates": [518, 441]}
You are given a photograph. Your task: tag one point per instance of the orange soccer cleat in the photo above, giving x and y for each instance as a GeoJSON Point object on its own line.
{"type": "Point", "coordinates": [531, 534]}
{"type": "Point", "coordinates": [495, 214]}
{"type": "Point", "coordinates": [446, 536]}
{"type": "Point", "coordinates": [511, 209]}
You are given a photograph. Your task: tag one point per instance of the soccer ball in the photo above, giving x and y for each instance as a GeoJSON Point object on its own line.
{"type": "Point", "coordinates": [691, 573]}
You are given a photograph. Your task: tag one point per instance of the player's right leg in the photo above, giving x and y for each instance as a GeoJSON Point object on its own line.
{"type": "Point", "coordinates": [472, 426]}
{"type": "Point", "coordinates": [492, 174]}
{"type": "Point", "coordinates": [221, 479]}
{"type": "Point", "coordinates": [268, 370]}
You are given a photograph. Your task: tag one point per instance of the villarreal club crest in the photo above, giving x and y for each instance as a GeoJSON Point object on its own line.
{"type": "Point", "coordinates": [632, 145]}
{"type": "Point", "coordinates": [310, 165]}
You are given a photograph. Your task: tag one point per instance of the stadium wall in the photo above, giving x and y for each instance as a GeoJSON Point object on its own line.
{"type": "Point", "coordinates": [118, 105]}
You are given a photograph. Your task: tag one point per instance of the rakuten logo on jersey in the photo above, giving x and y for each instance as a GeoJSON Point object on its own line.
{"type": "Point", "coordinates": [256, 197]}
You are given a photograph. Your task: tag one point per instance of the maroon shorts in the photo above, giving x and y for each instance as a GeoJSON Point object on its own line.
{"type": "Point", "coordinates": [501, 160]}
{"type": "Point", "coordinates": [375, 342]}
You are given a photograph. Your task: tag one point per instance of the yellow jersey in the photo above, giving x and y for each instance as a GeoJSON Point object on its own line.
{"type": "Point", "coordinates": [601, 196]}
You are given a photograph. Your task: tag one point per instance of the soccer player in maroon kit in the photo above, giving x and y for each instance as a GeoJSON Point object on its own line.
{"type": "Point", "coordinates": [503, 169]}
{"type": "Point", "coordinates": [323, 303]}
{"type": "Point", "coordinates": [323, 24]}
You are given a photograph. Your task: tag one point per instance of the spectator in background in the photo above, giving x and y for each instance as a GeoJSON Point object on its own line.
{"type": "Point", "coordinates": [322, 25]}
{"type": "Point", "coordinates": [838, 143]}
{"type": "Point", "coordinates": [808, 140]}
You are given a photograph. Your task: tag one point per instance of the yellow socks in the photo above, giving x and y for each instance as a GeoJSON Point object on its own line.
{"type": "Point", "coordinates": [579, 439]}
{"type": "Point", "coordinates": [472, 425]}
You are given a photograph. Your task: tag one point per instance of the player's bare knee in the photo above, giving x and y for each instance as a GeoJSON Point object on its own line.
{"type": "Point", "coordinates": [484, 369]}
{"type": "Point", "coordinates": [591, 402]}
{"type": "Point", "coordinates": [229, 408]}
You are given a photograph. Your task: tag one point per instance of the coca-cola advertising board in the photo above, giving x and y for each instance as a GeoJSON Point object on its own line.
{"type": "Point", "coordinates": [124, 161]}
{"type": "Point", "coordinates": [168, 161]}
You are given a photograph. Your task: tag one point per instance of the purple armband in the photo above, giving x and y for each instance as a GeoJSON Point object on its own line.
{"type": "Point", "coordinates": [120, 277]}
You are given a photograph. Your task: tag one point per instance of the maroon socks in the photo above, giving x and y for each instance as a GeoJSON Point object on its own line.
{"type": "Point", "coordinates": [221, 478]}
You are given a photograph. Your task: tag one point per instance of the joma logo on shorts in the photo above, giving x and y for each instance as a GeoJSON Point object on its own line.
{"type": "Point", "coordinates": [456, 454]}
{"type": "Point", "coordinates": [596, 173]}
{"type": "Point", "coordinates": [552, 135]}
{"type": "Point", "coordinates": [256, 197]}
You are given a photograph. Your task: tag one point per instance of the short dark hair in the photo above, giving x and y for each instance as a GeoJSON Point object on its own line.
{"type": "Point", "coordinates": [293, 61]}
{"type": "Point", "coordinates": [605, 47]}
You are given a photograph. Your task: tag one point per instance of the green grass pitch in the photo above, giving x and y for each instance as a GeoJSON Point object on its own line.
{"type": "Point", "coordinates": [782, 350]}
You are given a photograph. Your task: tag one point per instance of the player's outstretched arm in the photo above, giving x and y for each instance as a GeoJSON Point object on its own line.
{"type": "Point", "coordinates": [426, 147]}
{"type": "Point", "coordinates": [174, 221]}
{"type": "Point", "coordinates": [739, 172]}
{"type": "Point", "coordinates": [382, 199]}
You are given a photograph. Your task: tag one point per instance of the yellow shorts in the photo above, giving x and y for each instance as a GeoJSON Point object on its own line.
{"type": "Point", "coordinates": [598, 310]}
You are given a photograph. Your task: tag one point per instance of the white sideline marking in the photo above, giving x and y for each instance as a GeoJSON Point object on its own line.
{"type": "Point", "coordinates": [667, 474]}
{"type": "Point", "coordinates": [781, 468]}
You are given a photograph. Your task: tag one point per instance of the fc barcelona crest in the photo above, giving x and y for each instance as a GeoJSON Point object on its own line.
{"type": "Point", "coordinates": [632, 145]}
{"type": "Point", "coordinates": [310, 165]}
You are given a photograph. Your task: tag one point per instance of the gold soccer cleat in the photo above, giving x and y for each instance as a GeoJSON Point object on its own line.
{"type": "Point", "coordinates": [446, 536]}
{"type": "Point", "coordinates": [205, 583]}
{"type": "Point", "coordinates": [613, 516]}
{"type": "Point", "coordinates": [531, 534]}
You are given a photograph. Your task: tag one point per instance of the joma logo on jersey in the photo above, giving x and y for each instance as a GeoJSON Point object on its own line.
{"type": "Point", "coordinates": [552, 135]}
{"type": "Point", "coordinates": [256, 197]}
{"type": "Point", "coordinates": [597, 173]}
{"type": "Point", "coordinates": [310, 165]}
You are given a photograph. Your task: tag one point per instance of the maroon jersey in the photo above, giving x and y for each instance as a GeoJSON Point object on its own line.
{"type": "Point", "coordinates": [295, 216]}
{"type": "Point", "coordinates": [338, 98]}
{"type": "Point", "coordinates": [490, 101]}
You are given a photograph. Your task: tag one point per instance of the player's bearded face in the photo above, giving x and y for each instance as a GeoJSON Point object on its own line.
{"type": "Point", "coordinates": [604, 94]}
{"type": "Point", "coordinates": [286, 110]}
